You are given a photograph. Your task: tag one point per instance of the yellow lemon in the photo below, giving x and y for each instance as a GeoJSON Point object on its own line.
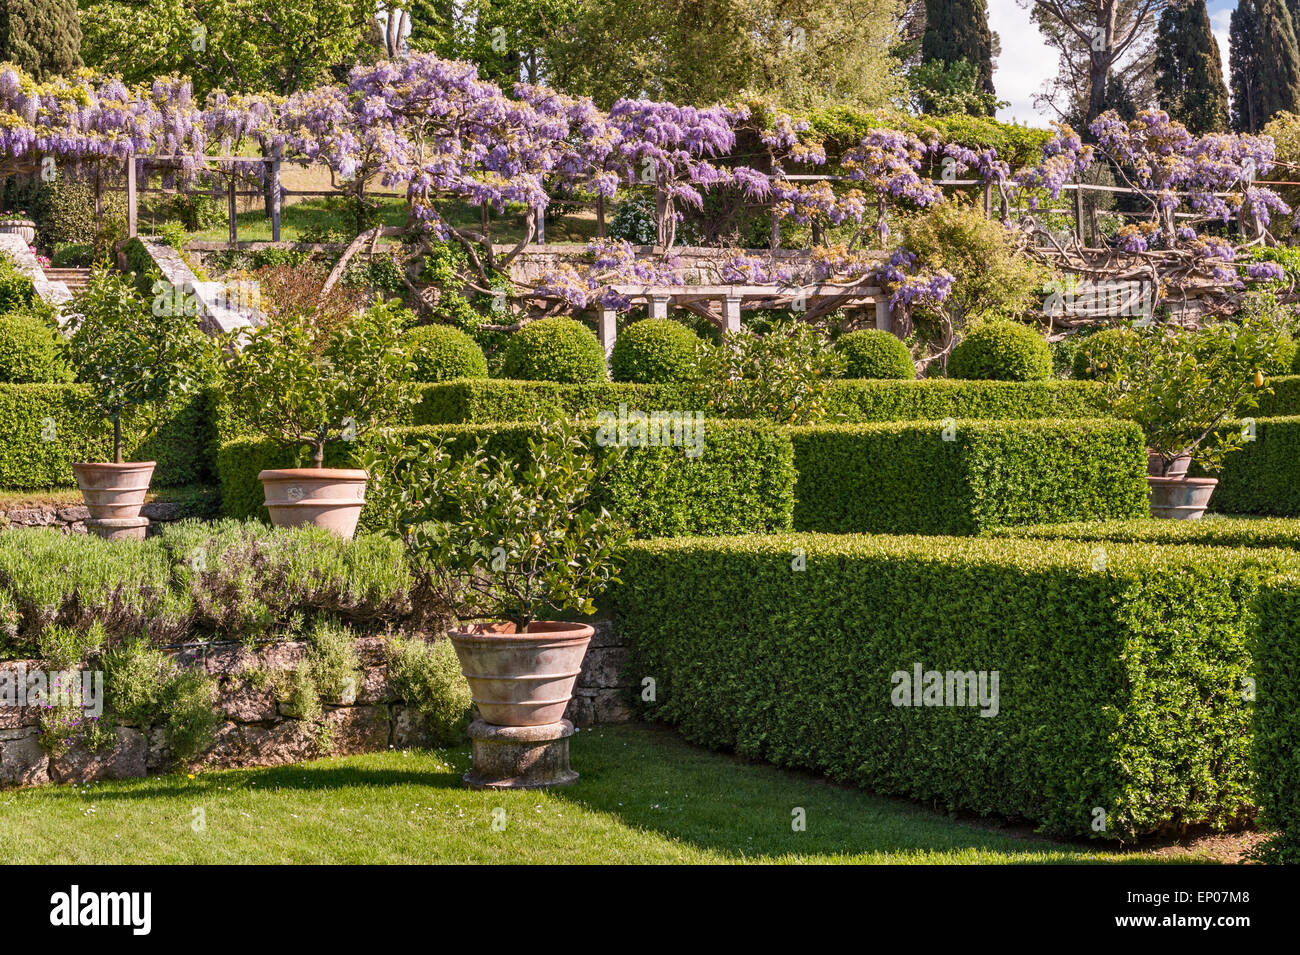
{"type": "Point", "coordinates": [1259, 379]}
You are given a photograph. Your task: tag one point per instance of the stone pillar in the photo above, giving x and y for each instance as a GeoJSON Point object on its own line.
{"type": "Point", "coordinates": [520, 757]}
{"type": "Point", "coordinates": [607, 328]}
{"type": "Point", "coordinates": [883, 320]}
{"type": "Point", "coordinates": [658, 306]}
{"type": "Point", "coordinates": [731, 313]}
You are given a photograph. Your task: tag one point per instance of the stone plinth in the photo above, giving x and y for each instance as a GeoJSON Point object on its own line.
{"type": "Point", "coordinates": [118, 528]}
{"type": "Point", "coordinates": [520, 757]}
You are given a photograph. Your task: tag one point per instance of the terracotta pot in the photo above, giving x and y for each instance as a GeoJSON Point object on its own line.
{"type": "Point", "coordinates": [522, 679]}
{"type": "Point", "coordinates": [114, 491]}
{"type": "Point", "coordinates": [1180, 499]}
{"type": "Point", "coordinates": [1176, 468]}
{"type": "Point", "coordinates": [318, 497]}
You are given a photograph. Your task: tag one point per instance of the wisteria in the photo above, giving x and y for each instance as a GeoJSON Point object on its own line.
{"type": "Point", "coordinates": [889, 161]}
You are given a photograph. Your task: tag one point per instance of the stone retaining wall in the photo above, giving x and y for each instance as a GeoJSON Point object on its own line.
{"type": "Point", "coordinates": [71, 518]}
{"type": "Point", "coordinates": [256, 729]}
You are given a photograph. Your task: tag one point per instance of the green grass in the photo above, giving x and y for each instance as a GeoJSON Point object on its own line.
{"type": "Point", "coordinates": [644, 796]}
{"type": "Point", "coordinates": [299, 216]}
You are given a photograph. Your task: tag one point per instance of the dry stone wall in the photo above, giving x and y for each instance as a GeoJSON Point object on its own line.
{"type": "Point", "coordinates": [257, 729]}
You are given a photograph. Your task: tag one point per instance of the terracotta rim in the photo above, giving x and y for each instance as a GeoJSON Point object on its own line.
{"type": "Point", "coordinates": [1186, 481]}
{"type": "Point", "coordinates": [115, 466]}
{"type": "Point", "coordinates": [557, 632]}
{"type": "Point", "coordinates": [312, 474]}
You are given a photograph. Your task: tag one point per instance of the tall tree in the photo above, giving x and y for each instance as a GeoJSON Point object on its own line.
{"type": "Point", "coordinates": [1189, 70]}
{"type": "Point", "coordinates": [956, 31]}
{"type": "Point", "coordinates": [41, 36]}
{"type": "Point", "coordinates": [1264, 60]}
{"type": "Point", "coordinates": [1101, 43]}
{"type": "Point", "coordinates": [240, 46]}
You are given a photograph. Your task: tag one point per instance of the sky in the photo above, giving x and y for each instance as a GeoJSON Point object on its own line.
{"type": "Point", "coordinates": [1026, 63]}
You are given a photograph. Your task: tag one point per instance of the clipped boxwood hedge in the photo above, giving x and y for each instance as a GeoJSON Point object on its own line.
{"type": "Point", "coordinates": [959, 477]}
{"type": "Point", "coordinates": [48, 427]}
{"type": "Point", "coordinates": [1276, 725]}
{"type": "Point", "coordinates": [1210, 531]}
{"type": "Point", "coordinates": [555, 349]}
{"type": "Point", "coordinates": [1119, 686]}
{"type": "Point", "coordinates": [1263, 477]}
{"type": "Point", "coordinates": [465, 402]}
{"type": "Point", "coordinates": [874, 353]}
{"type": "Point", "coordinates": [1002, 351]}
{"type": "Point", "coordinates": [741, 482]}
{"type": "Point", "coordinates": [1283, 402]}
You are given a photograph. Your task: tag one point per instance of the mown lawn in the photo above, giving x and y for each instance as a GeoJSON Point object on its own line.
{"type": "Point", "coordinates": [644, 796]}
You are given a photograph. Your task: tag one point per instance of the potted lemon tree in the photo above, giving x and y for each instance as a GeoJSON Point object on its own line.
{"type": "Point", "coordinates": [131, 359]}
{"type": "Point", "coordinates": [308, 385]}
{"type": "Point", "coordinates": [1182, 387]}
{"type": "Point", "coordinates": [505, 547]}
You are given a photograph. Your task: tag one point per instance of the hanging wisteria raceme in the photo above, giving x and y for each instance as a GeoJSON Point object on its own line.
{"type": "Point", "coordinates": [608, 263]}
{"type": "Point", "coordinates": [84, 118]}
{"type": "Point", "coordinates": [1065, 159]}
{"type": "Point", "coordinates": [1167, 166]}
{"type": "Point", "coordinates": [889, 162]}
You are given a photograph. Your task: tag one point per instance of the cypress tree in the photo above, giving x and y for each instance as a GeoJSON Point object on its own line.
{"type": "Point", "coordinates": [41, 36]}
{"type": "Point", "coordinates": [1265, 63]}
{"type": "Point", "coordinates": [958, 30]}
{"type": "Point", "coordinates": [1189, 72]}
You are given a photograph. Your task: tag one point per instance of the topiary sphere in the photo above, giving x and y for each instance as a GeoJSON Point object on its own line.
{"type": "Point", "coordinates": [873, 353]}
{"type": "Point", "coordinates": [655, 351]}
{"type": "Point", "coordinates": [555, 349]}
{"type": "Point", "coordinates": [1100, 352]}
{"type": "Point", "coordinates": [442, 352]}
{"type": "Point", "coordinates": [1002, 351]}
{"type": "Point", "coordinates": [31, 352]}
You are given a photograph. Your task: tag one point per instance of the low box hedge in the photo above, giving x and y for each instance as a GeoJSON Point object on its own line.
{"type": "Point", "coordinates": [959, 477]}
{"type": "Point", "coordinates": [477, 400]}
{"type": "Point", "coordinates": [1283, 402]}
{"type": "Point", "coordinates": [741, 482]}
{"type": "Point", "coordinates": [48, 427]}
{"type": "Point", "coordinates": [1263, 477]}
{"type": "Point", "coordinates": [1120, 708]}
{"type": "Point", "coordinates": [1211, 531]}
{"type": "Point", "coordinates": [1276, 725]}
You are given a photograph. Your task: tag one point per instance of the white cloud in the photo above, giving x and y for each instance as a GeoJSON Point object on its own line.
{"type": "Point", "coordinates": [1024, 64]}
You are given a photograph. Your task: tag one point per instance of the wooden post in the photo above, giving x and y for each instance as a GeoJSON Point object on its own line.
{"type": "Point", "coordinates": [275, 199]}
{"type": "Point", "coordinates": [541, 225]}
{"type": "Point", "coordinates": [230, 210]}
{"type": "Point", "coordinates": [1078, 213]}
{"type": "Point", "coordinates": [99, 198]}
{"type": "Point", "coordinates": [132, 217]}
{"type": "Point", "coordinates": [988, 200]}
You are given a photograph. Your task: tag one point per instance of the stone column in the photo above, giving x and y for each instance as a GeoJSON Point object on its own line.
{"type": "Point", "coordinates": [883, 320]}
{"type": "Point", "coordinates": [731, 313]}
{"type": "Point", "coordinates": [607, 328]}
{"type": "Point", "coordinates": [658, 306]}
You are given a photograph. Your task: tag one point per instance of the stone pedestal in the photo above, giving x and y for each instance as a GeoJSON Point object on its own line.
{"type": "Point", "coordinates": [118, 528]}
{"type": "Point", "coordinates": [520, 757]}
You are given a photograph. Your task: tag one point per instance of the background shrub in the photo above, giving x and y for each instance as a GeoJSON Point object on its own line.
{"type": "Point", "coordinates": [1263, 475]}
{"type": "Point", "coordinates": [655, 351]}
{"type": "Point", "coordinates": [1119, 686]}
{"type": "Point", "coordinates": [1002, 351]}
{"type": "Point", "coordinates": [441, 353]}
{"type": "Point", "coordinates": [873, 353]}
{"type": "Point", "coordinates": [31, 352]}
{"type": "Point", "coordinates": [426, 676]}
{"type": "Point", "coordinates": [923, 477]}
{"type": "Point", "coordinates": [555, 349]}
{"type": "Point", "coordinates": [17, 293]}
